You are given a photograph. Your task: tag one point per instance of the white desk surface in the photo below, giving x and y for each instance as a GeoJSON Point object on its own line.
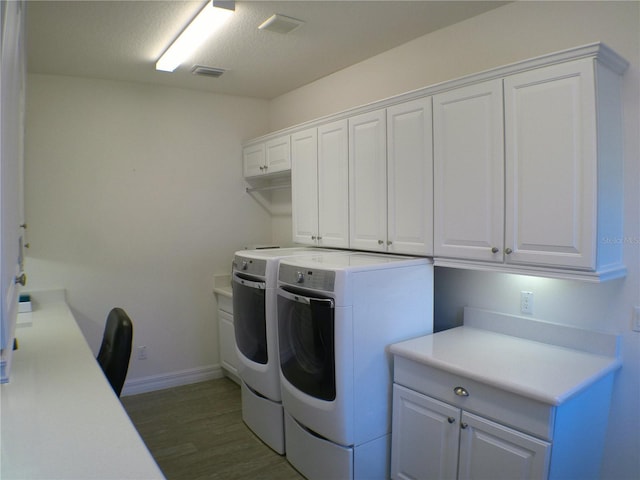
{"type": "Point", "coordinates": [60, 417]}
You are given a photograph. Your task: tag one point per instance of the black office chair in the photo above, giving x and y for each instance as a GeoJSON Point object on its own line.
{"type": "Point", "coordinates": [115, 350]}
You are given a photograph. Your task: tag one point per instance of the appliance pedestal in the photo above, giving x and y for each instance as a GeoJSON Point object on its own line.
{"type": "Point", "coordinates": [264, 417]}
{"type": "Point", "coordinates": [318, 458]}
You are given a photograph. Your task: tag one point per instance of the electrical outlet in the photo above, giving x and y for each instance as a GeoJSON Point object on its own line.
{"type": "Point", "coordinates": [636, 319]}
{"type": "Point", "coordinates": [526, 302]}
{"type": "Point", "coordinates": [142, 352]}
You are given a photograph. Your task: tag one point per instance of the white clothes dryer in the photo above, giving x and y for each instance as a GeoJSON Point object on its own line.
{"type": "Point", "coordinates": [254, 282]}
{"type": "Point", "coordinates": [336, 317]}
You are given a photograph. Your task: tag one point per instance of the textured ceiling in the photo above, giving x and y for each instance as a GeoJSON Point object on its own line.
{"type": "Point", "coordinates": [121, 40]}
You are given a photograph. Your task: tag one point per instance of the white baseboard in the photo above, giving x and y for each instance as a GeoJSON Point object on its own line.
{"type": "Point", "coordinates": [173, 379]}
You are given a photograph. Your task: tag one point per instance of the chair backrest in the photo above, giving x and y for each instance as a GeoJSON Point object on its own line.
{"type": "Point", "coordinates": [115, 350]}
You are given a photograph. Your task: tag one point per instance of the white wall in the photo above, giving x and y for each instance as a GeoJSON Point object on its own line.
{"type": "Point", "coordinates": [511, 33]}
{"type": "Point", "coordinates": [135, 198]}
{"type": "Point", "coordinates": [499, 37]}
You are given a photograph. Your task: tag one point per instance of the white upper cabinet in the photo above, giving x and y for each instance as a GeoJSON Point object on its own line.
{"type": "Point", "coordinates": [552, 202]}
{"type": "Point", "coordinates": [265, 158]}
{"type": "Point", "coordinates": [552, 167]}
{"type": "Point", "coordinates": [368, 181]}
{"type": "Point", "coordinates": [320, 185]}
{"type": "Point", "coordinates": [410, 178]}
{"type": "Point", "coordinates": [517, 169]}
{"type": "Point", "coordinates": [469, 172]}
{"type": "Point", "coordinates": [278, 155]}
{"type": "Point", "coordinates": [391, 179]}
{"type": "Point", "coordinates": [304, 186]}
{"type": "Point", "coordinates": [333, 185]}
{"type": "Point", "coordinates": [254, 160]}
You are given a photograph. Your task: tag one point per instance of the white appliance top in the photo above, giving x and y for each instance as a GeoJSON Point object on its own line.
{"type": "Point", "coordinates": [354, 261]}
{"type": "Point", "coordinates": [275, 253]}
{"type": "Point", "coordinates": [536, 359]}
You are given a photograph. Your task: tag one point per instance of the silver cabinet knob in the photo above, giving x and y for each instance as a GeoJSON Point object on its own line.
{"type": "Point", "coordinates": [313, 237]}
{"type": "Point", "coordinates": [319, 237]}
{"type": "Point", "coordinates": [508, 251]}
{"type": "Point", "coordinates": [451, 420]}
{"type": "Point", "coordinates": [389, 242]}
{"type": "Point", "coordinates": [21, 279]}
{"type": "Point", "coordinates": [461, 392]}
{"type": "Point", "coordinates": [380, 242]}
{"type": "Point", "coordinates": [495, 250]}
{"type": "Point", "coordinates": [464, 425]}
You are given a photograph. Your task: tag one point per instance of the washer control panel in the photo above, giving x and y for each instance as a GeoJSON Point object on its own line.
{"type": "Point", "coordinates": [307, 277]}
{"type": "Point", "coordinates": [250, 266]}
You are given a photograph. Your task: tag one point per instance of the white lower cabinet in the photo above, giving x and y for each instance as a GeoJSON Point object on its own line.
{"type": "Point", "coordinates": [432, 439]}
{"type": "Point", "coordinates": [491, 450]}
{"type": "Point", "coordinates": [227, 337]}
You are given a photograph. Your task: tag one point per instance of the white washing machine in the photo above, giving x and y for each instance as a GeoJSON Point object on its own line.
{"type": "Point", "coordinates": [336, 316]}
{"type": "Point", "coordinates": [254, 282]}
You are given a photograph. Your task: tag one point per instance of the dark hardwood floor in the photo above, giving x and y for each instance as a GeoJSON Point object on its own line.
{"type": "Point", "coordinates": [196, 432]}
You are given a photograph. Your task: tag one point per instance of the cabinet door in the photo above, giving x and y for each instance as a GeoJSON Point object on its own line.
{"type": "Point", "coordinates": [304, 186]}
{"type": "Point", "coordinates": [424, 437]}
{"type": "Point", "coordinates": [333, 185]}
{"type": "Point", "coordinates": [469, 172]}
{"type": "Point", "coordinates": [551, 165]}
{"type": "Point", "coordinates": [490, 450]}
{"type": "Point", "coordinates": [410, 178]}
{"type": "Point", "coordinates": [368, 181]}
{"type": "Point", "coordinates": [253, 158]}
{"type": "Point", "coordinates": [12, 78]}
{"type": "Point", "coordinates": [227, 342]}
{"type": "Point", "coordinates": [278, 154]}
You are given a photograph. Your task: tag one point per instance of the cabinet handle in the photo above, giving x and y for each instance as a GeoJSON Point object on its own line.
{"type": "Point", "coordinates": [508, 251]}
{"type": "Point", "coordinates": [451, 420]}
{"type": "Point", "coordinates": [21, 279]}
{"type": "Point", "coordinates": [464, 425]}
{"type": "Point", "coordinates": [461, 392]}
{"type": "Point", "coordinates": [380, 242]}
{"type": "Point", "coordinates": [313, 237]}
{"type": "Point", "coordinates": [495, 250]}
{"type": "Point", "coordinates": [389, 242]}
{"type": "Point", "coordinates": [319, 237]}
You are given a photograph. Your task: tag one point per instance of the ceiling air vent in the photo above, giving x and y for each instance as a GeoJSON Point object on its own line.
{"type": "Point", "coordinates": [280, 24]}
{"type": "Point", "coordinates": [207, 71]}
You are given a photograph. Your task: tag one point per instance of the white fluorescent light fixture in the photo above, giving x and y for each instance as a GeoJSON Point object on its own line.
{"type": "Point", "coordinates": [211, 18]}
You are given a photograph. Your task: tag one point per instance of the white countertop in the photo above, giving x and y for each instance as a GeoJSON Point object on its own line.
{"type": "Point", "coordinates": [222, 285]}
{"type": "Point", "coordinates": [60, 417]}
{"type": "Point", "coordinates": [542, 371]}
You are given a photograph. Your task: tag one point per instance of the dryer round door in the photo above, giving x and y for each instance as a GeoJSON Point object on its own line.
{"type": "Point", "coordinates": [306, 343]}
{"type": "Point", "coordinates": [249, 318]}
